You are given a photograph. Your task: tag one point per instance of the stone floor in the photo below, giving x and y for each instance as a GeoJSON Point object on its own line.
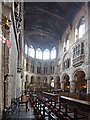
{"type": "Point", "coordinates": [21, 114]}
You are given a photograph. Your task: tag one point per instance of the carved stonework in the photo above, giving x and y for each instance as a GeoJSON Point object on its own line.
{"type": "Point", "coordinates": [17, 13]}
{"type": "Point", "coordinates": [5, 57]}
{"type": "Point", "coordinates": [78, 61]}
{"type": "Point", "coordinates": [5, 70]}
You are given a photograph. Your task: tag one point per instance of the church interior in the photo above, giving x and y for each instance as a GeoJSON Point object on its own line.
{"type": "Point", "coordinates": [44, 60]}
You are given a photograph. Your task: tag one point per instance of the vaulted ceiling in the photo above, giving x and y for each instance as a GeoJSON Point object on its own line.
{"type": "Point", "coordinates": [45, 22]}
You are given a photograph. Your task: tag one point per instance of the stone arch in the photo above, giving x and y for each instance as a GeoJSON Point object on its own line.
{"type": "Point", "coordinates": [27, 78]}
{"type": "Point", "coordinates": [32, 81]}
{"type": "Point", "coordinates": [38, 79]}
{"type": "Point", "coordinates": [65, 54]}
{"type": "Point", "coordinates": [57, 79]}
{"type": "Point", "coordinates": [57, 82]}
{"type": "Point", "coordinates": [80, 81]}
{"type": "Point", "coordinates": [79, 69]}
{"type": "Point", "coordinates": [51, 82]}
{"type": "Point", "coordinates": [66, 81]}
{"type": "Point", "coordinates": [26, 81]}
{"type": "Point", "coordinates": [50, 79]}
{"type": "Point", "coordinates": [44, 82]}
{"type": "Point", "coordinates": [31, 84]}
{"type": "Point", "coordinates": [66, 60]}
{"type": "Point", "coordinates": [63, 76]}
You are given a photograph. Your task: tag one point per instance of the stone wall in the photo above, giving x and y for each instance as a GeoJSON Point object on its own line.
{"type": "Point", "coordinates": [14, 78]}
{"type": "Point", "coordinates": [0, 64]}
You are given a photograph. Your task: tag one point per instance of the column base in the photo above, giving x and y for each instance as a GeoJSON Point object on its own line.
{"type": "Point", "coordinates": [4, 115]}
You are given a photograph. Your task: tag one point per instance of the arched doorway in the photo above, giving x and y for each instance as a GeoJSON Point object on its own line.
{"type": "Point", "coordinates": [44, 81]}
{"type": "Point", "coordinates": [66, 83]}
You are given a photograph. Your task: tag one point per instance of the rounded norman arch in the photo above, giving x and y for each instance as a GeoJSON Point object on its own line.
{"type": "Point", "coordinates": [57, 82]}
{"type": "Point", "coordinates": [81, 82]}
{"type": "Point", "coordinates": [66, 80]}
{"type": "Point", "coordinates": [38, 80]}
{"type": "Point", "coordinates": [32, 81]}
{"type": "Point", "coordinates": [27, 78]}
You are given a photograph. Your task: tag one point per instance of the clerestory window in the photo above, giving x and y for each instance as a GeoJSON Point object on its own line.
{"type": "Point", "coordinates": [53, 53]}
{"type": "Point", "coordinates": [38, 53]}
{"type": "Point", "coordinates": [31, 51]}
{"type": "Point", "coordinates": [46, 54]}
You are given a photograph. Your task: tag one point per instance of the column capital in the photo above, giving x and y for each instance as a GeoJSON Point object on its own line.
{"type": "Point", "coordinates": [62, 81]}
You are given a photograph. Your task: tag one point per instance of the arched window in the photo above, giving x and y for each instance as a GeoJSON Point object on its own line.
{"type": "Point", "coordinates": [27, 68]}
{"type": "Point", "coordinates": [32, 66]}
{"type": "Point", "coordinates": [76, 34]}
{"type": "Point", "coordinates": [53, 53]}
{"type": "Point", "coordinates": [81, 28]}
{"type": "Point", "coordinates": [38, 53]}
{"type": "Point", "coordinates": [31, 51]}
{"type": "Point", "coordinates": [39, 67]}
{"type": "Point", "coordinates": [26, 49]}
{"type": "Point", "coordinates": [66, 43]}
{"type": "Point", "coordinates": [82, 48]}
{"type": "Point", "coordinates": [32, 80]}
{"type": "Point", "coordinates": [46, 54]}
{"type": "Point", "coordinates": [45, 68]}
{"type": "Point", "coordinates": [52, 67]}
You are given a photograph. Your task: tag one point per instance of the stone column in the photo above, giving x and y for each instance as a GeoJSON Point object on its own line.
{"type": "Point", "coordinates": [35, 53]}
{"type": "Point", "coordinates": [72, 86]}
{"type": "Point", "coordinates": [88, 86]}
{"type": "Point", "coordinates": [0, 63]}
{"type": "Point", "coordinates": [35, 67]}
{"type": "Point", "coordinates": [88, 44]}
{"type": "Point", "coordinates": [42, 68]}
{"type": "Point", "coordinates": [62, 85]}
{"type": "Point", "coordinates": [55, 87]}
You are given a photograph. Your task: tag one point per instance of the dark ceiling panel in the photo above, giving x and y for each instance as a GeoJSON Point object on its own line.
{"type": "Point", "coordinates": [49, 17]}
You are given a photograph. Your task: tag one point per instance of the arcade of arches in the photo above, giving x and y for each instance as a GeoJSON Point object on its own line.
{"type": "Point", "coordinates": [78, 85]}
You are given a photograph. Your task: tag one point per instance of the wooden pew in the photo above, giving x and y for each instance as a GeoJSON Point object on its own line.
{"type": "Point", "coordinates": [37, 112]}
{"type": "Point", "coordinates": [79, 108]}
{"type": "Point", "coordinates": [51, 95]}
{"type": "Point", "coordinates": [52, 112]}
